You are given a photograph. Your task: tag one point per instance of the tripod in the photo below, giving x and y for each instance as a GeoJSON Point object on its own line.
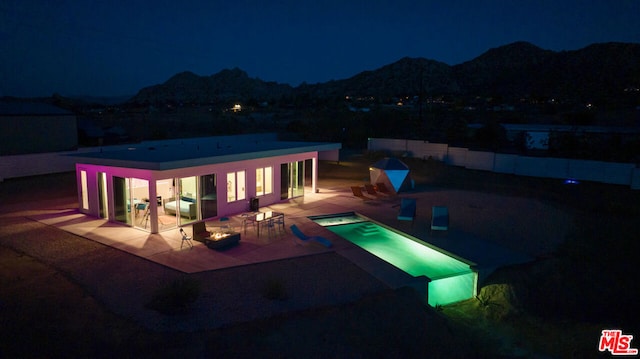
{"type": "Point", "coordinates": [145, 218]}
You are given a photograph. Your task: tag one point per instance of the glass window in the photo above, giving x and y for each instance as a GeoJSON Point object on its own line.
{"type": "Point", "coordinates": [264, 184]}
{"type": "Point", "coordinates": [231, 187]}
{"type": "Point", "coordinates": [268, 180]}
{"type": "Point", "coordinates": [259, 181]}
{"type": "Point", "coordinates": [84, 190]}
{"type": "Point", "coordinates": [236, 190]}
{"type": "Point", "coordinates": [241, 186]}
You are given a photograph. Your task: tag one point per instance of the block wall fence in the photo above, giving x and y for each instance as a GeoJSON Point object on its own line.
{"type": "Point", "coordinates": [627, 174]}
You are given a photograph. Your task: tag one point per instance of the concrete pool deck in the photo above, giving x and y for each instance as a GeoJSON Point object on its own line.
{"type": "Point", "coordinates": [481, 231]}
{"type": "Point", "coordinates": [122, 267]}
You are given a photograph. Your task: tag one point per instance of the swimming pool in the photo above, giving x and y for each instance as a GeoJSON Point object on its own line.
{"type": "Point", "coordinates": [450, 278]}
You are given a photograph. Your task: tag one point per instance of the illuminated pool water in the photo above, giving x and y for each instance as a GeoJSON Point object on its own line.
{"type": "Point", "coordinates": [450, 279]}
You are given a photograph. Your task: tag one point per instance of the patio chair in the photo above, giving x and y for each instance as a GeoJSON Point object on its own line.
{"type": "Point", "coordinates": [273, 229]}
{"type": "Point", "coordinates": [278, 221]}
{"type": "Point", "coordinates": [185, 238]}
{"type": "Point", "coordinates": [200, 232]}
{"type": "Point", "coordinates": [224, 224]}
{"type": "Point", "coordinates": [407, 210]}
{"type": "Point", "coordinates": [303, 237]}
{"type": "Point", "coordinates": [439, 218]}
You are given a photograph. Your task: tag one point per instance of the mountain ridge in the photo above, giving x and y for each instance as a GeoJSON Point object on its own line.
{"type": "Point", "coordinates": [515, 70]}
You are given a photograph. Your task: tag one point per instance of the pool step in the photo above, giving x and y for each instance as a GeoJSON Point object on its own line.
{"type": "Point", "coordinates": [368, 229]}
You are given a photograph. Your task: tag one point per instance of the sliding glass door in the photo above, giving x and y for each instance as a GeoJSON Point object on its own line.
{"type": "Point", "coordinates": [187, 201]}
{"type": "Point", "coordinates": [208, 196]}
{"type": "Point", "coordinates": [141, 205]}
{"type": "Point", "coordinates": [102, 195]}
{"type": "Point", "coordinates": [292, 180]}
{"type": "Point", "coordinates": [121, 200]}
{"type": "Point", "coordinates": [131, 201]}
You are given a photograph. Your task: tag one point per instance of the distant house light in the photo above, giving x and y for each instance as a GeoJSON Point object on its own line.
{"type": "Point", "coordinates": [237, 108]}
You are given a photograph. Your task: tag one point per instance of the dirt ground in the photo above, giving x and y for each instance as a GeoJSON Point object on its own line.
{"type": "Point", "coordinates": [63, 295]}
{"type": "Point", "coordinates": [53, 287]}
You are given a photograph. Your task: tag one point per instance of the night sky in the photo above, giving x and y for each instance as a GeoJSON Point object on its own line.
{"type": "Point", "coordinates": [114, 48]}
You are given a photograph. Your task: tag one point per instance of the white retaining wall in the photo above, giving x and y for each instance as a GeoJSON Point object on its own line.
{"type": "Point", "coordinates": [41, 163]}
{"type": "Point", "coordinates": [426, 150]}
{"type": "Point", "coordinates": [58, 162]}
{"type": "Point", "coordinates": [480, 160]}
{"type": "Point", "coordinates": [457, 156]}
{"type": "Point", "coordinates": [584, 170]}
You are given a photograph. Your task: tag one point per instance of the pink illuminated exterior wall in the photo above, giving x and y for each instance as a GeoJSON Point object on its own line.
{"type": "Point", "coordinates": [97, 181]}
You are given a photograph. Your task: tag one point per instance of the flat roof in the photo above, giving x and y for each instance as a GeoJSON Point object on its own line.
{"type": "Point", "coordinates": [191, 152]}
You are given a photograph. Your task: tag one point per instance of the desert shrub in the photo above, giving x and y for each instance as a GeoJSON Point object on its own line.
{"type": "Point", "coordinates": [591, 279]}
{"type": "Point", "coordinates": [175, 297]}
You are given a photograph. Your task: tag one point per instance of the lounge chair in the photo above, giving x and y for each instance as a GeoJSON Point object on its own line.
{"type": "Point", "coordinates": [325, 242]}
{"type": "Point", "coordinates": [371, 189]}
{"type": "Point", "coordinates": [357, 191]}
{"type": "Point", "coordinates": [382, 188]}
{"type": "Point", "coordinates": [407, 210]}
{"type": "Point", "coordinates": [439, 218]}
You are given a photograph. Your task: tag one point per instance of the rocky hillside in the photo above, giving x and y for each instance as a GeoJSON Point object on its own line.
{"type": "Point", "coordinates": [227, 85]}
{"type": "Point", "coordinates": [599, 72]}
{"type": "Point", "coordinates": [521, 69]}
{"type": "Point", "coordinates": [406, 77]}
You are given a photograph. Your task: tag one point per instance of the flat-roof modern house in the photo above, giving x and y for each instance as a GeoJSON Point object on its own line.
{"type": "Point", "coordinates": [160, 185]}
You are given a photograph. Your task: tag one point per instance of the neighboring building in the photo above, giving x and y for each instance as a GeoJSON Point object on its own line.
{"type": "Point", "coordinates": [538, 136]}
{"type": "Point", "coordinates": [194, 179]}
{"type": "Point", "coordinates": [27, 127]}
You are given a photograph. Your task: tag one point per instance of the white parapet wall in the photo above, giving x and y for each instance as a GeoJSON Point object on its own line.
{"type": "Point", "coordinates": [480, 160]}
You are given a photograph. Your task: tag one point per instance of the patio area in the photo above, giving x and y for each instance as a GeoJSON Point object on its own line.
{"type": "Point", "coordinates": [123, 266]}
{"type": "Point", "coordinates": [167, 248]}
{"type": "Point", "coordinates": [489, 246]}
